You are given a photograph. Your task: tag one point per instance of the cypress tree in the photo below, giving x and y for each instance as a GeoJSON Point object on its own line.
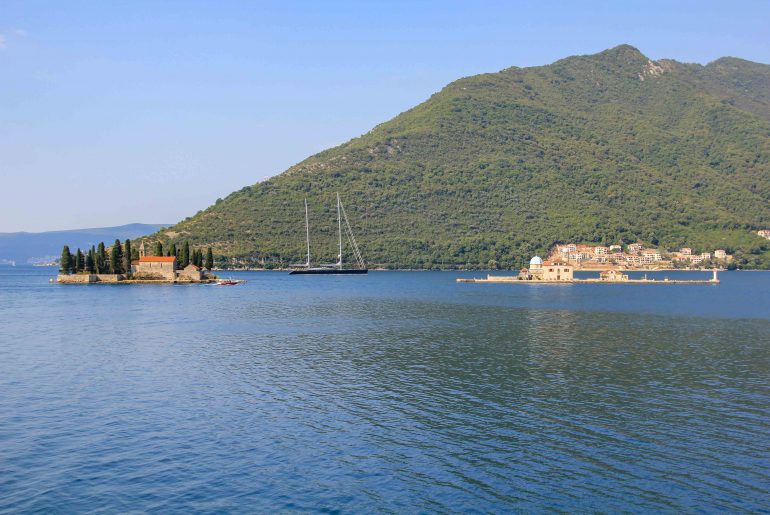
{"type": "Point", "coordinates": [185, 254]}
{"type": "Point", "coordinates": [199, 258]}
{"type": "Point", "coordinates": [78, 264]}
{"type": "Point", "coordinates": [116, 258]}
{"type": "Point", "coordinates": [65, 264]}
{"type": "Point", "coordinates": [101, 259]}
{"type": "Point", "coordinates": [209, 259]}
{"type": "Point", "coordinates": [90, 261]}
{"type": "Point", "coordinates": [172, 251]}
{"type": "Point", "coordinates": [127, 256]}
{"type": "Point", "coordinates": [158, 249]}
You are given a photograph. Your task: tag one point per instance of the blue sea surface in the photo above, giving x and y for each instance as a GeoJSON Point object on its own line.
{"type": "Point", "coordinates": [392, 392]}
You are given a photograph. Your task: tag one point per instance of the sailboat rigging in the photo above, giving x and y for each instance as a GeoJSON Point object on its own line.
{"type": "Point", "coordinates": [337, 268]}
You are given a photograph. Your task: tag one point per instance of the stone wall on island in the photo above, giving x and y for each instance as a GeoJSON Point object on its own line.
{"type": "Point", "coordinates": [89, 278]}
{"type": "Point", "coordinates": [194, 276]}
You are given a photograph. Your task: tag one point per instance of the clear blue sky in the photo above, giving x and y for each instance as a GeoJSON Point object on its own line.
{"type": "Point", "coordinates": [127, 111]}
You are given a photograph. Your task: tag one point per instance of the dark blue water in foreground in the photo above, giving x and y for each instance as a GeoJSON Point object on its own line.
{"type": "Point", "coordinates": [396, 392]}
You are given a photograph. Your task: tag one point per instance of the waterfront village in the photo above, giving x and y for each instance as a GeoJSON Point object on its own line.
{"type": "Point", "coordinates": [611, 262]}
{"type": "Point", "coordinates": [635, 255]}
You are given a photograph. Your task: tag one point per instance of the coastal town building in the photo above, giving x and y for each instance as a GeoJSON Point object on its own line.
{"type": "Point", "coordinates": [636, 256]}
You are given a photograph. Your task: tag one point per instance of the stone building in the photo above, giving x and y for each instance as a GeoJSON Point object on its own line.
{"type": "Point", "coordinates": [613, 275]}
{"type": "Point", "coordinates": [540, 270]}
{"type": "Point", "coordinates": [191, 273]}
{"type": "Point", "coordinates": [154, 267]}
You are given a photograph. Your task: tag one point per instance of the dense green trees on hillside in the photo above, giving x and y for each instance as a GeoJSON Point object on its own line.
{"type": "Point", "coordinates": [607, 148]}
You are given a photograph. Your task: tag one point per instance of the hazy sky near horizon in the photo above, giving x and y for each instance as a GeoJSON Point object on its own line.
{"type": "Point", "coordinates": [119, 112]}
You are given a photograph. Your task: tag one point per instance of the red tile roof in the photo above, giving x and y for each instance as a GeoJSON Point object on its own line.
{"type": "Point", "coordinates": [157, 259]}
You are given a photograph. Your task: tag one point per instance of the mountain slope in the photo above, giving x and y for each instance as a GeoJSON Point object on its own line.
{"type": "Point", "coordinates": [500, 166]}
{"type": "Point", "coordinates": [26, 247]}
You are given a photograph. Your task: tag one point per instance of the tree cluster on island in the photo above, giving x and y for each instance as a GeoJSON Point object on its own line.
{"type": "Point", "coordinates": [117, 259]}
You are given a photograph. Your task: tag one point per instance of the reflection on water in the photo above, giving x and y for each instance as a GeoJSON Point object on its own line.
{"type": "Point", "coordinates": [395, 392]}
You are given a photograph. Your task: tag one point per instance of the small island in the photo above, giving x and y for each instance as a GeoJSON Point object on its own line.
{"type": "Point", "coordinates": [129, 266]}
{"type": "Point", "coordinates": [560, 272]}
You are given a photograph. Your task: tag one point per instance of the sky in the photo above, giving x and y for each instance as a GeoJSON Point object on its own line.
{"type": "Point", "coordinates": [130, 111]}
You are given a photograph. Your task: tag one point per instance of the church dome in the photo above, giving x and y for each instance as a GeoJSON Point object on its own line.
{"type": "Point", "coordinates": [536, 261]}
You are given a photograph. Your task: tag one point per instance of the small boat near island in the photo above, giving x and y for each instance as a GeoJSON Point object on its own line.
{"type": "Point", "coordinates": [336, 268]}
{"type": "Point", "coordinates": [229, 282]}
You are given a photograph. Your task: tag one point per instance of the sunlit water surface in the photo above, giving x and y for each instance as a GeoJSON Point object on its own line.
{"type": "Point", "coordinates": [388, 392]}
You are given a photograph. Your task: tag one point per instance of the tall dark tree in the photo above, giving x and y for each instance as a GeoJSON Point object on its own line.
{"type": "Point", "coordinates": [77, 262]}
{"type": "Point", "coordinates": [158, 249]}
{"type": "Point", "coordinates": [209, 259]}
{"type": "Point", "coordinates": [65, 263]}
{"type": "Point", "coordinates": [198, 261]}
{"type": "Point", "coordinates": [172, 251]}
{"type": "Point", "coordinates": [90, 261]}
{"type": "Point", "coordinates": [185, 255]}
{"type": "Point", "coordinates": [101, 259]}
{"type": "Point", "coordinates": [127, 256]}
{"type": "Point", "coordinates": [116, 258]}
{"type": "Point", "coordinates": [77, 265]}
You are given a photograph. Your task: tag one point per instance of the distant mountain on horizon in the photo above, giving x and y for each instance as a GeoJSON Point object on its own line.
{"type": "Point", "coordinates": [607, 148]}
{"type": "Point", "coordinates": [45, 247]}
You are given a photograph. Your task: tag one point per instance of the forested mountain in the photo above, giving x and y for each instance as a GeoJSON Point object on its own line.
{"type": "Point", "coordinates": [497, 167]}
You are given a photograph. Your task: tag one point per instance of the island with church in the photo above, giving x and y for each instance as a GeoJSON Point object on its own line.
{"type": "Point", "coordinates": [562, 272]}
{"type": "Point", "coordinates": [120, 263]}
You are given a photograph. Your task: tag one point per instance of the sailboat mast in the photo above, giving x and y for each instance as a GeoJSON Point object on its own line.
{"type": "Point", "coordinates": [339, 228]}
{"type": "Point", "coordinates": [307, 234]}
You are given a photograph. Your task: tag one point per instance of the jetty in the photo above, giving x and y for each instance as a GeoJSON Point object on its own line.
{"type": "Point", "coordinates": [548, 272]}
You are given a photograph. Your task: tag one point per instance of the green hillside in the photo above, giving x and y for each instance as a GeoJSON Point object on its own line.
{"type": "Point", "coordinates": [497, 167]}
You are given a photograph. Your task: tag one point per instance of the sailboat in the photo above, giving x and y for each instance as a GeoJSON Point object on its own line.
{"type": "Point", "coordinates": [335, 269]}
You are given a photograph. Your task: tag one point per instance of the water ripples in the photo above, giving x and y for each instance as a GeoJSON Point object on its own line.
{"type": "Point", "coordinates": [344, 398]}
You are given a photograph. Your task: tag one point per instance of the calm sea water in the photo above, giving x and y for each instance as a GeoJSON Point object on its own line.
{"type": "Point", "coordinates": [394, 392]}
